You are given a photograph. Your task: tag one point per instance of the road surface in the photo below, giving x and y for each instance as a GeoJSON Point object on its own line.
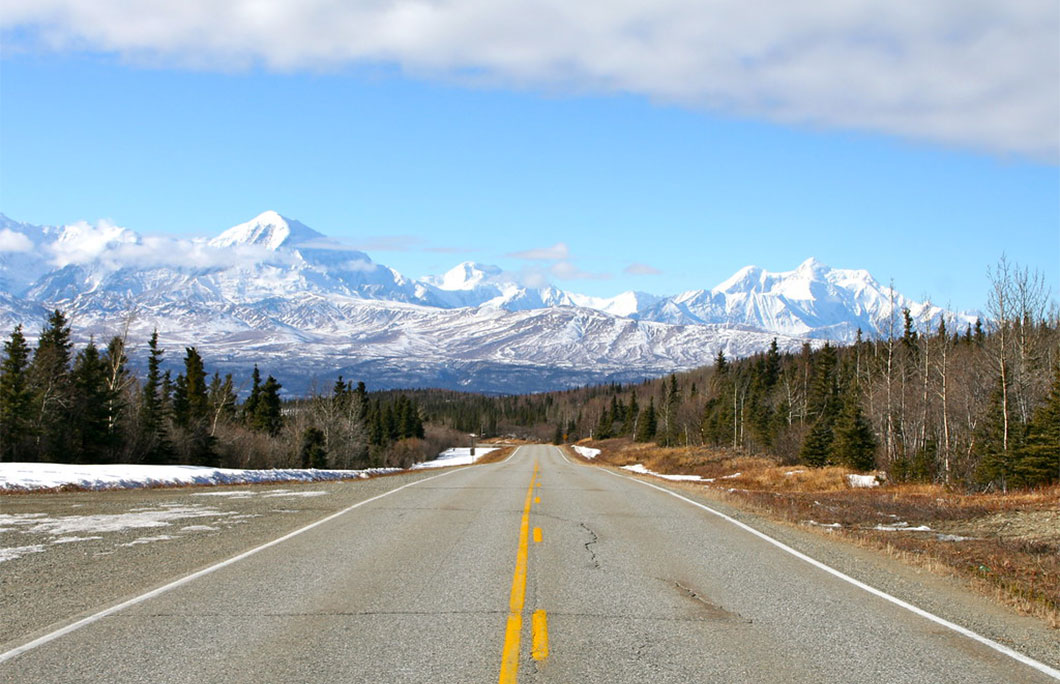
{"type": "Point", "coordinates": [536, 569]}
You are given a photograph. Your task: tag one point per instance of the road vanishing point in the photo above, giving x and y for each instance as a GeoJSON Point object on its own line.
{"type": "Point", "coordinates": [534, 569]}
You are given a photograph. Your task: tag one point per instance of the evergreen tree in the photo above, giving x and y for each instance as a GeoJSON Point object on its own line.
{"type": "Point", "coordinates": [312, 450]}
{"type": "Point", "coordinates": [817, 446]}
{"type": "Point", "coordinates": [603, 425]}
{"type": "Point", "coordinates": [648, 423]}
{"type": "Point", "coordinates": [191, 411]}
{"type": "Point", "coordinates": [250, 406]}
{"type": "Point", "coordinates": [557, 436]}
{"type": "Point", "coordinates": [91, 398]}
{"type": "Point", "coordinates": [197, 402]}
{"type": "Point", "coordinates": [50, 383]}
{"type": "Point", "coordinates": [822, 405]}
{"type": "Point", "coordinates": [632, 413]}
{"type": "Point", "coordinates": [854, 444]}
{"type": "Point", "coordinates": [996, 463]}
{"type": "Point", "coordinates": [1038, 462]}
{"type": "Point", "coordinates": [268, 415]}
{"type": "Point", "coordinates": [157, 448]}
{"type": "Point", "coordinates": [16, 399]}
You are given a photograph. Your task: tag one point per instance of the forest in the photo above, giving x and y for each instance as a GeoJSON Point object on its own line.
{"type": "Point", "coordinates": [976, 408]}
{"type": "Point", "coordinates": [89, 408]}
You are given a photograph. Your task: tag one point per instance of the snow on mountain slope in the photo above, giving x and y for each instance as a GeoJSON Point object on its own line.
{"type": "Point", "coordinates": [813, 300]}
{"type": "Point", "coordinates": [275, 292]}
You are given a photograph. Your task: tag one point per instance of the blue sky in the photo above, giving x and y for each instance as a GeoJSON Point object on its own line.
{"type": "Point", "coordinates": [426, 166]}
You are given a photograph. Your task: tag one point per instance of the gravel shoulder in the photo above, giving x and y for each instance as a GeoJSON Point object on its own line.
{"type": "Point", "coordinates": [70, 554]}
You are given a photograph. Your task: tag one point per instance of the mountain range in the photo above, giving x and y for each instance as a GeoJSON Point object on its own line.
{"type": "Point", "coordinates": [305, 307]}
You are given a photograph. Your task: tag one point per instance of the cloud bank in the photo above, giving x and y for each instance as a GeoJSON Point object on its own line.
{"type": "Point", "coordinates": [974, 73]}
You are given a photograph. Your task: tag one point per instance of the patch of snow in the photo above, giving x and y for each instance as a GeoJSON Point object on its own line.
{"type": "Point", "coordinates": [243, 494]}
{"type": "Point", "coordinates": [148, 540]}
{"type": "Point", "coordinates": [953, 538]}
{"type": "Point", "coordinates": [814, 523]}
{"type": "Point", "coordinates": [13, 552]}
{"type": "Point", "coordinates": [793, 472]}
{"type": "Point", "coordinates": [32, 476]}
{"type": "Point", "coordinates": [586, 452]}
{"type": "Point", "coordinates": [281, 493]}
{"type": "Point", "coordinates": [640, 469]}
{"type": "Point", "coordinates": [454, 457]}
{"type": "Point", "coordinates": [857, 481]}
{"type": "Point", "coordinates": [199, 528]}
{"type": "Point", "coordinates": [902, 527]}
{"type": "Point", "coordinates": [729, 477]}
{"type": "Point", "coordinates": [114, 522]}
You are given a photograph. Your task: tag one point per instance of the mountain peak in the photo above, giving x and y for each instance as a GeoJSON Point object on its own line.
{"type": "Point", "coordinates": [466, 276]}
{"type": "Point", "coordinates": [812, 266]}
{"type": "Point", "coordinates": [270, 230]}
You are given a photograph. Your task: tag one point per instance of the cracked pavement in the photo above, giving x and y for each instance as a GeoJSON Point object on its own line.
{"type": "Point", "coordinates": [414, 587]}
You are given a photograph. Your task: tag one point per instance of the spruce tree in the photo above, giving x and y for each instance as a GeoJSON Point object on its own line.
{"type": "Point", "coordinates": [648, 424]}
{"type": "Point", "coordinates": [854, 444]}
{"type": "Point", "coordinates": [268, 415]}
{"type": "Point", "coordinates": [157, 447]}
{"type": "Point", "coordinates": [632, 414]}
{"type": "Point", "coordinates": [603, 425]}
{"type": "Point", "coordinates": [16, 399]}
{"type": "Point", "coordinates": [1038, 462]}
{"type": "Point", "coordinates": [50, 383]}
{"type": "Point", "coordinates": [996, 463]}
{"type": "Point", "coordinates": [312, 451]}
{"type": "Point", "coordinates": [91, 398]}
{"type": "Point", "coordinates": [250, 406]}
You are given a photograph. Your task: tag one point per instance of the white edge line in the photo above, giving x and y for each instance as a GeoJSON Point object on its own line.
{"type": "Point", "coordinates": [514, 452]}
{"type": "Point", "coordinates": [964, 631]}
{"type": "Point", "coordinates": [84, 622]}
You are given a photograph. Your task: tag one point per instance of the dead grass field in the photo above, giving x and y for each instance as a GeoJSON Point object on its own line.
{"type": "Point", "coordinates": [1005, 545]}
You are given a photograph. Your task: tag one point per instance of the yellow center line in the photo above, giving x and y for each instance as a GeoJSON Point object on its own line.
{"type": "Point", "coordinates": [513, 631]}
{"type": "Point", "coordinates": [539, 630]}
{"type": "Point", "coordinates": [537, 535]}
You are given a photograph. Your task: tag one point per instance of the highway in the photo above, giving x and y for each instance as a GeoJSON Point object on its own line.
{"type": "Point", "coordinates": [536, 569]}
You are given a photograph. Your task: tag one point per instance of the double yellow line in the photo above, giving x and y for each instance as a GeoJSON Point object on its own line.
{"type": "Point", "coordinates": [517, 598]}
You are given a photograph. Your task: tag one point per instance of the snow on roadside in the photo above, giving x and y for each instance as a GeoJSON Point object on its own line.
{"type": "Point", "coordinates": [586, 452]}
{"type": "Point", "coordinates": [641, 470]}
{"type": "Point", "coordinates": [857, 481]}
{"type": "Point", "coordinates": [14, 552]}
{"type": "Point", "coordinates": [902, 527]}
{"type": "Point", "coordinates": [33, 476]}
{"type": "Point", "coordinates": [454, 457]}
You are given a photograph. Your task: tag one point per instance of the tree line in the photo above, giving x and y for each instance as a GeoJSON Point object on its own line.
{"type": "Point", "coordinates": [89, 407]}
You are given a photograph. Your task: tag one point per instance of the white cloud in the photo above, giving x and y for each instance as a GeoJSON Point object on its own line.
{"type": "Point", "coordinates": [10, 241]}
{"type": "Point", "coordinates": [565, 270]}
{"type": "Point", "coordinates": [556, 251]}
{"type": "Point", "coordinates": [976, 73]}
{"type": "Point", "coordinates": [641, 269]}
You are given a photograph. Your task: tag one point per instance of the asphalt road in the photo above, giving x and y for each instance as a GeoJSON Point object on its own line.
{"type": "Point", "coordinates": [536, 568]}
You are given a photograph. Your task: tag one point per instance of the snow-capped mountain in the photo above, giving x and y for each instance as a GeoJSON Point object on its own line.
{"type": "Point", "coordinates": [813, 300]}
{"type": "Point", "coordinates": [273, 291]}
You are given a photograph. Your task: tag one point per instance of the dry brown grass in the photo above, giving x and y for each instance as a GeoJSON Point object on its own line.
{"type": "Point", "coordinates": [496, 456]}
{"type": "Point", "coordinates": [1008, 545]}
